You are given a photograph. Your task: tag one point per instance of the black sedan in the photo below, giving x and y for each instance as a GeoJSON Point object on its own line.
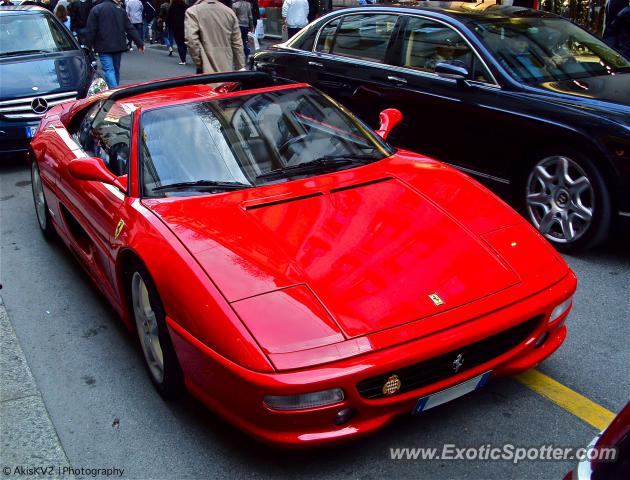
{"type": "Point", "coordinates": [527, 102]}
{"type": "Point", "coordinates": [41, 65]}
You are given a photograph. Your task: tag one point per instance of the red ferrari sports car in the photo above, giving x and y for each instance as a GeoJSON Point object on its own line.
{"type": "Point", "coordinates": [275, 256]}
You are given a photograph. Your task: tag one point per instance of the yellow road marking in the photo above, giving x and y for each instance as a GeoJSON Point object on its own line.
{"type": "Point", "coordinates": [571, 401]}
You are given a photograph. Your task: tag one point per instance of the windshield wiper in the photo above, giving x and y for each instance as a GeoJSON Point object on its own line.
{"type": "Point", "coordinates": [23, 52]}
{"type": "Point", "coordinates": [324, 163]}
{"type": "Point", "coordinates": [202, 185]}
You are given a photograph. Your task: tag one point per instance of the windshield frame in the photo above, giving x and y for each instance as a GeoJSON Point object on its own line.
{"type": "Point", "coordinates": [385, 149]}
{"type": "Point", "coordinates": [474, 23]}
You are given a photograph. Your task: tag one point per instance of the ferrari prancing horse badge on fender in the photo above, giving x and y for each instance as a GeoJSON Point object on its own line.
{"type": "Point", "coordinates": [119, 228]}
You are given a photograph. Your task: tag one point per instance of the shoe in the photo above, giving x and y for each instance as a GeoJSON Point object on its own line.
{"type": "Point", "coordinates": [170, 51]}
{"type": "Point", "coordinates": [131, 49]}
{"type": "Point", "coordinates": [182, 63]}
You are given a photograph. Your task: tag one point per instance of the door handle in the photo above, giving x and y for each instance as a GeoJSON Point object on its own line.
{"type": "Point", "coordinates": [316, 64]}
{"type": "Point", "coordinates": [391, 78]}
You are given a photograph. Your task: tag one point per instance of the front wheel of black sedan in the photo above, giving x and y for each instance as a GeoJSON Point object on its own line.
{"type": "Point", "coordinates": [566, 199]}
{"type": "Point", "coordinates": [153, 337]}
{"type": "Point", "coordinates": [41, 207]}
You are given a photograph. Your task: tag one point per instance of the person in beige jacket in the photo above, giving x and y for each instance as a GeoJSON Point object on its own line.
{"type": "Point", "coordinates": [213, 37]}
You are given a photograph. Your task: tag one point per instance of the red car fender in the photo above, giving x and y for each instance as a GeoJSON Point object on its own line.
{"type": "Point", "coordinates": [189, 297]}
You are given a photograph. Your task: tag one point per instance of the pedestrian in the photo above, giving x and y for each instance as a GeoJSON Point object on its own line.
{"type": "Point", "coordinates": [255, 11]}
{"type": "Point", "coordinates": [79, 12]}
{"type": "Point", "coordinates": [65, 3]}
{"type": "Point", "coordinates": [213, 37]}
{"type": "Point", "coordinates": [243, 10]}
{"type": "Point", "coordinates": [613, 7]}
{"type": "Point", "coordinates": [167, 34]}
{"type": "Point", "coordinates": [175, 20]}
{"type": "Point", "coordinates": [107, 25]}
{"type": "Point", "coordinates": [619, 32]}
{"type": "Point", "coordinates": [134, 12]}
{"type": "Point", "coordinates": [148, 16]}
{"type": "Point", "coordinates": [62, 14]}
{"type": "Point", "coordinates": [294, 16]}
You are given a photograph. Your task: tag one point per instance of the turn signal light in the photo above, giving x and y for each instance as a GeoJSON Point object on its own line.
{"type": "Point", "coordinates": [304, 400]}
{"type": "Point", "coordinates": [560, 309]}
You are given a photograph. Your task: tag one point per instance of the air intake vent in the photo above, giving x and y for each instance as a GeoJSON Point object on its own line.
{"type": "Point", "coordinates": [441, 367]}
{"type": "Point", "coordinates": [359, 185]}
{"type": "Point", "coordinates": [285, 200]}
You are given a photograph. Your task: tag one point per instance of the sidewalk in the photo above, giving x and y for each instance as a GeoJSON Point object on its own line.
{"type": "Point", "coordinates": [28, 439]}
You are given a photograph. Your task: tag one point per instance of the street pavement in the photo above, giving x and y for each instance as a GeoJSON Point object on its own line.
{"type": "Point", "coordinates": [104, 412]}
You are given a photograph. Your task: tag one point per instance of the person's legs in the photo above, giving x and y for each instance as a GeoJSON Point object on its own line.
{"type": "Point", "coordinates": [168, 40]}
{"type": "Point", "coordinates": [244, 31]}
{"type": "Point", "coordinates": [116, 57]}
{"type": "Point", "coordinates": [181, 49]}
{"type": "Point", "coordinates": [107, 65]}
{"type": "Point", "coordinates": [292, 31]}
{"type": "Point", "coordinates": [138, 27]}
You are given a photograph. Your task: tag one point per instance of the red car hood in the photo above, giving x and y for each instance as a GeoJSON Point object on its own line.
{"type": "Point", "coordinates": [370, 253]}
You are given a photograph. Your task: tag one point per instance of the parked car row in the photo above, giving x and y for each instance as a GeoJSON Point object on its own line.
{"type": "Point", "coordinates": [530, 104]}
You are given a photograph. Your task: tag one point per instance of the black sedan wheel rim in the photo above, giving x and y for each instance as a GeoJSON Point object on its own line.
{"type": "Point", "coordinates": [560, 199]}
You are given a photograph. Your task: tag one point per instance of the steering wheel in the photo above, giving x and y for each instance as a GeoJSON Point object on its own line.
{"type": "Point", "coordinates": [283, 149]}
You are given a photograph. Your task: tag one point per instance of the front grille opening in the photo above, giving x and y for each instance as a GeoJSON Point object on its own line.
{"type": "Point", "coordinates": [438, 368]}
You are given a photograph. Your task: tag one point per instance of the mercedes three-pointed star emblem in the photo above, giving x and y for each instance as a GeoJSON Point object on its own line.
{"type": "Point", "coordinates": [39, 105]}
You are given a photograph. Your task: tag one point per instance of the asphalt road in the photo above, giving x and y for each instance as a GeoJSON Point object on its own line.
{"type": "Point", "coordinates": [107, 414]}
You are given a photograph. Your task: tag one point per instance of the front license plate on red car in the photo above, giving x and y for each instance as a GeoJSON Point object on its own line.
{"type": "Point", "coordinates": [451, 393]}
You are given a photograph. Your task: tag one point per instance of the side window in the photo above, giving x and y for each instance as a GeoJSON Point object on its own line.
{"type": "Point", "coordinates": [327, 36]}
{"type": "Point", "coordinates": [427, 43]}
{"type": "Point", "coordinates": [365, 36]}
{"type": "Point", "coordinates": [82, 135]}
{"type": "Point", "coordinates": [105, 132]}
{"type": "Point", "coordinates": [111, 131]}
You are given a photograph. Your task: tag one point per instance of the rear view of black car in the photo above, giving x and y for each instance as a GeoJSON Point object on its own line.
{"type": "Point", "coordinates": [527, 102]}
{"type": "Point", "coordinates": [41, 65]}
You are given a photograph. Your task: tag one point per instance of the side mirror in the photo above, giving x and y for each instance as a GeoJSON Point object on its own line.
{"type": "Point", "coordinates": [389, 118]}
{"type": "Point", "coordinates": [93, 169]}
{"type": "Point", "coordinates": [449, 70]}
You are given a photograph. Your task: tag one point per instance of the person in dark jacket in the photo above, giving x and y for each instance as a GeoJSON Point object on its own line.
{"type": "Point", "coordinates": [107, 25]}
{"type": "Point", "coordinates": [175, 23]}
{"type": "Point", "coordinates": [613, 7]}
{"type": "Point", "coordinates": [255, 11]}
{"type": "Point", "coordinates": [148, 17]}
{"type": "Point", "coordinates": [619, 32]}
{"type": "Point", "coordinates": [79, 11]}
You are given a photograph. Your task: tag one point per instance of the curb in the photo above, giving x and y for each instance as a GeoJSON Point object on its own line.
{"type": "Point", "coordinates": [28, 439]}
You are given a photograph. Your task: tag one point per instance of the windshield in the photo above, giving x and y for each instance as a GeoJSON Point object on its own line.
{"type": "Point", "coordinates": [28, 33]}
{"type": "Point", "coordinates": [238, 141]}
{"type": "Point", "coordinates": [537, 50]}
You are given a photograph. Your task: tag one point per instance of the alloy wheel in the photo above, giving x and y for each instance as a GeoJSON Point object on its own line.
{"type": "Point", "coordinates": [38, 197]}
{"type": "Point", "coordinates": [560, 199]}
{"type": "Point", "coordinates": [147, 325]}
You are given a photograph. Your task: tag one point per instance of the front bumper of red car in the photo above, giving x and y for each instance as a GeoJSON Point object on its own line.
{"type": "Point", "coordinates": [237, 393]}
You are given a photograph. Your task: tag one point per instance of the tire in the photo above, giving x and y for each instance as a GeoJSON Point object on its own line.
{"type": "Point", "coordinates": [155, 342]}
{"type": "Point", "coordinates": [564, 196]}
{"type": "Point", "coordinates": [41, 206]}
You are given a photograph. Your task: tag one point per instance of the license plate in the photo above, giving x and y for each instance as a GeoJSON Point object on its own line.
{"type": "Point", "coordinates": [456, 391]}
{"type": "Point", "coordinates": [30, 131]}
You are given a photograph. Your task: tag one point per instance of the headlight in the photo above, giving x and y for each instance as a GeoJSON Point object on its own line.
{"type": "Point", "coordinates": [98, 85]}
{"type": "Point", "coordinates": [304, 400]}
{"type": "Point", "coordinates": [560, 309]}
